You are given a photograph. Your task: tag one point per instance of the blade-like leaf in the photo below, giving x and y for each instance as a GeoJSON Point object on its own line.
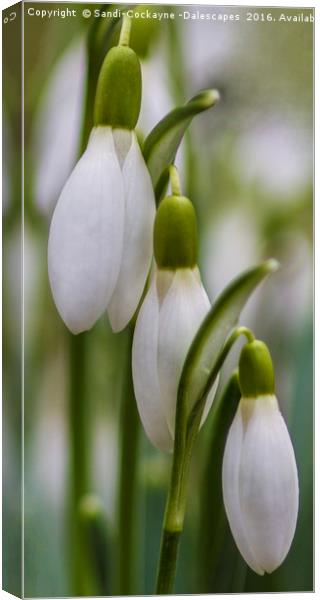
{"type": "Point", "coordinates": [213, 520]}
{"type": "Point", "coordinates": [213, 333]}
{"type": "Point", "coordinates": [162, 143]}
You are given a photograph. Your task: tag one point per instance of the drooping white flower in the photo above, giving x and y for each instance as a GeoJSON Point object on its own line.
{"type": "Point", "coordinates": [100, 241]}
{"type": "Point", "coordinates": [171, 314]}
{"type": "Point", "coordinates": [169, 318]}
{"type": "Point", "coordinates": [259, 476]}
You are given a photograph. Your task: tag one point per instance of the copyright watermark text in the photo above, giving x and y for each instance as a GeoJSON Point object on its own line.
{"type": "Point", "coordinates": [253, 16]}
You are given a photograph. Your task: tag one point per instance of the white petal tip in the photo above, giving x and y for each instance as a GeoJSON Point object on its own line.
{"type": "Point", "coordinates": [76, 328]}
{"type": "Point", "coordinates": [118, 322]}
{"type": "Point", "coordinates": [260, 572]}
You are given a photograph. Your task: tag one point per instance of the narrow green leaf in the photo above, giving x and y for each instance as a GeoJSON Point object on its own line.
{"type": "Point", "coordinates": [213, 520]}
{"type": "Point", "coordinates": [162, 143]}
{"type": "Point", "coordinates": [213, 333]}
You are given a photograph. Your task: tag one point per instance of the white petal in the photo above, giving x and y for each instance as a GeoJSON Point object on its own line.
{"type": "Point", "coordinates": [230, 486]}
{"type": "Point", "coordinates": [137, 241]}
{"type": "Point", "coordinates": [164, 280]}
{"type": "Point", "coordinates": [181, 314]}
{"type": "Point", "coordinates": [122, 142]}
{"type": "Point", "coordinates": [86, 233]}
{"type": "Point", "coordinates": [268, 484]}
{"type": "Point", "coordinates": [145, 372]}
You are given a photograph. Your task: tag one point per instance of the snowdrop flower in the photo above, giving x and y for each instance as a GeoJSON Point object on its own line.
{"type": "Point", "coordinates": [169, 318]}
{"type": "Point", "coordinates": [100, 241]}
{"type": "Point", "coordinates": [259, 475]}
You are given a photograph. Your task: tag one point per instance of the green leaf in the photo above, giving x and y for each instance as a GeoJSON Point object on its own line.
{"type": "Point", "coordinates": [162, 143]}
{"type": "Point", "coordinates": [213, 521]}
{"type": "Point", "coordinates": [208, 343]}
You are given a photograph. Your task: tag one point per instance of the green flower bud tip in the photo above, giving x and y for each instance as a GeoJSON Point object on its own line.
{"type": "Point", "coordinates": [175, 234]}
{"type": "Point", "coordinates": [207, 98]}
{"type": "Point", "coordinates": [256, 374]}
{"type": "Point", "coordinates": [118, 95]}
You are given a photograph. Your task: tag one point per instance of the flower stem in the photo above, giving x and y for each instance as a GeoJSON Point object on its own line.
{"type": "Point", "coordinates": [127, 493]}
{"type": "Point", "coordinates": [175, 512]}
{"type": "Point", "coordinates": [175, 181]}
{"type": "Point", "coordinates": [125, 31]}
{"type": "Point", "coordinates": [168, 560]}
{"type": "Point", "coordinates": [247, 332]}
{"type": "Point", "coordinates": [79, 476]}
{"type": "Point", "coordinates": [186, 430]}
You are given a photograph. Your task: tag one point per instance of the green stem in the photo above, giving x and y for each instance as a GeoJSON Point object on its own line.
{"type": "Point", "coordinates": [125, 31]}
{"type": "Point", "coordinates": [180, 92]}
{"type": "Point", "coordinates": [79, 472]}
{"type": "Point", "coordinates": [175, 181]}
{"type": "Point", "coordinates": [168, 560]}
{"type": "Point", "coordinates": [175, 510]}
{"type": "Point", "coordinates": [78, 417]}
{"type": "Point", "coordinates": [186, 430]}
{"type": "Point", "coordinates": [127, 494]}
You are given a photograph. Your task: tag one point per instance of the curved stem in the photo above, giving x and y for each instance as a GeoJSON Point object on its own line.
{"type": "Point", "coordinates": [196, 413]}
{"type": "Point", "coordinates": [247, 332]}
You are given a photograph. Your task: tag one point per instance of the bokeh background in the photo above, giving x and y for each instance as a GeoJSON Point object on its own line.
{"type": "Point", "coordinates": [247, 165]}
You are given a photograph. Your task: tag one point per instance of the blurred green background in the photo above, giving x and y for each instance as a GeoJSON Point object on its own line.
{"type": "Point", "coordinates": [248, 167]}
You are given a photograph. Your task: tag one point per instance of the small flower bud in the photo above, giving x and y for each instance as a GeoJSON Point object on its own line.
{"type": "Point", "coordinates": [256, 374]}
{"type": "Point", "coordinates": [118, 96]}
{"type": "Point", "coordinates": [175, 234]}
